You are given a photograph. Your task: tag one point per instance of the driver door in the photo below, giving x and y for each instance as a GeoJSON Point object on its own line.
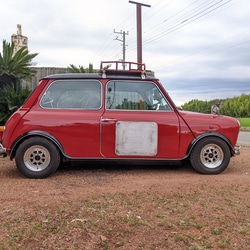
{"type": "Point", "coordinates": [137, 125]}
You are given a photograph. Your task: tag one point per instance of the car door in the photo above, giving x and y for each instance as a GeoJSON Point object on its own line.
{"type": "Point", "coordinates": [70, 110]}
{"type": "Point", "coordinates": [138, 122]}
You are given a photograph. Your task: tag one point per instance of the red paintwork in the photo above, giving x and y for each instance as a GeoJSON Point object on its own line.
{"type": "Point", "coordinates": [168, 129]}
{"type": "Point", "coordinates": [201, 123]}
{"type": "Point", "coordinates": [83, 134]}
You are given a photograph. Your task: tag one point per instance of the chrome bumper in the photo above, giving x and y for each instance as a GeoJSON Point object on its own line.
{"type": "Point", "coordinates": [237, 149]}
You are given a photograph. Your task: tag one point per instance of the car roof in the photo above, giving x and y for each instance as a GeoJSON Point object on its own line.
{"type": "Point", "coordinates": [98, 76]}
{"type": "Point", "coordinates": [112, 70]}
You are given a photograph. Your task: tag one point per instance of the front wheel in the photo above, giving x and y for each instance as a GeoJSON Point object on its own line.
{"type": "Point", "coordinates": [210, 156]}
{"type": "Point", "coordinates": [37, 157]}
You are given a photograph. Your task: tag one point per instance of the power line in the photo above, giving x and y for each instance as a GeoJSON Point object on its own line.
{"type": "Point", "coordinates": [172, 21]}
{"type": "Point", "coordinates": [178, 20]}
{"type": "Point", "coordinates": [186, 21]}
{"type": "Point", "coordinates": [217, 47]}
{"type": "Point", "coordinates": [123, 33]}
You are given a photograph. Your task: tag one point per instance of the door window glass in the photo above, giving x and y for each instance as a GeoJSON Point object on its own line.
{"type": "Point", "coordinates": [135, 96]}
{"type": "Point", "coordinates": [72, 94]}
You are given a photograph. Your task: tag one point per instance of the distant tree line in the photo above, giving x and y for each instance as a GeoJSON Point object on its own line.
{"type": "Point", "coordinates": [235, 107]}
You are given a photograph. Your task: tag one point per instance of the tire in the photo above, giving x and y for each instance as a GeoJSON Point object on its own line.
{"type": "Point", "coordinates": [210, 156]}
{"type": "Point", "coordinates": [37, 157]}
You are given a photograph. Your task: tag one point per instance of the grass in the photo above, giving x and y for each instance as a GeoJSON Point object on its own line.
{"type": "Point", "coordinates": [244, 122]}
{"type": "Point", "coordinates": [198, 220]}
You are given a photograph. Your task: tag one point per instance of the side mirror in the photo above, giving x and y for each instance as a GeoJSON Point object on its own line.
{"type": "Point", "coordinates": [216, 110]}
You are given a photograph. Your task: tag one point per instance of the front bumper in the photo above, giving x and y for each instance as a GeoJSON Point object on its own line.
{"type": "Point", "coordinates": [237, 149]}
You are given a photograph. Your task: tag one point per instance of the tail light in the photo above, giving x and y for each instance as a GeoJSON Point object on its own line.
{"type": "Point", "coordinates": [2, 128]}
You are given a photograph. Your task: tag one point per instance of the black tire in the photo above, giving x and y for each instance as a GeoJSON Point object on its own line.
{"type": "Point", "coordinates": [37, 157]}
{"type": "Point", "coordinates": [210, 156]}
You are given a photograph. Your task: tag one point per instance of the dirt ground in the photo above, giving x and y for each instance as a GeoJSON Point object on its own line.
{"type": "Point", "coordinates": [179, 208]}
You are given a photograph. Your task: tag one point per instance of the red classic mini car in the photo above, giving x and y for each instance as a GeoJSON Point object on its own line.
{"type": "Point", "coordinates": [113, 115]}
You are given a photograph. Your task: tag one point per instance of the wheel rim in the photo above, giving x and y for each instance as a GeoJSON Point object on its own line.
{"type": "Point", "coordinates": [36, 158]}
{"type": "Point", "coordinates": [211, 156]}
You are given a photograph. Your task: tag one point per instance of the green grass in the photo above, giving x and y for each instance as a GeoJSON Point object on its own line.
{"type": "Point", "coordinates": [244, 122]}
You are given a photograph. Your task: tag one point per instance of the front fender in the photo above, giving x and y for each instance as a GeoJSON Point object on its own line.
{"type": "Point", "coordinates": [208, 134]}
{"type": "Point", "coordinates": [24, 136]}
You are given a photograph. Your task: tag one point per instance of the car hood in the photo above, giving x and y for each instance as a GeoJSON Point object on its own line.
{"type": "Point", "coordinates": [201, 123]}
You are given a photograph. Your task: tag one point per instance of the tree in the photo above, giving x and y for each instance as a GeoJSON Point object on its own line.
{"type": "Point", "coordinates": [13, 68]}
{"type": "Point", "coordinates": [237, 106]}
{"type": "Point", "coordinates": [198, 106]}
{"type": "Point", "coordinates": [80, 69]}
{"type": "Point", "coordinates": [10, 101]}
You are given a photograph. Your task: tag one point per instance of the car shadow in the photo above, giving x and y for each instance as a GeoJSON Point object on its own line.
{"type": "Point", "coordinates": [117, 167]}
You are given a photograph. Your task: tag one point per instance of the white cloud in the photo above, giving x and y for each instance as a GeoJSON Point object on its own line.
{"type": "Point", "coordinates": [177, 45]}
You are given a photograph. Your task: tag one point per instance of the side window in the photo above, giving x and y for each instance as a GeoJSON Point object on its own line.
{"type": "Point", "coordinates": [72, 94]}
{"type": "Point", "coordinates": [134, 96]}
{"type": "Point", "coordinates": [157, 100]}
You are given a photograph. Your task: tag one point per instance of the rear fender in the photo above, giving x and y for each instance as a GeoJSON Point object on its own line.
{"type": "Point", "coordinates": [25, 136]}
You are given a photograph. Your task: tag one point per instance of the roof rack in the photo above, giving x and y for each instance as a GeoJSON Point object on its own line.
{"type": "Point", "coordinates": [121, 68]}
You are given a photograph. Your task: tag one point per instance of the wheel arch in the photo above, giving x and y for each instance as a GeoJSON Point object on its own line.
{"type": "Point", "coordinates": [206, 135]}
{"type": "Point", "coordinates": [34, 133]}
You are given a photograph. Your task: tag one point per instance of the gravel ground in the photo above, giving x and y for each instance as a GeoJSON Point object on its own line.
{"type": "Point", "coordinates": [126, 207]}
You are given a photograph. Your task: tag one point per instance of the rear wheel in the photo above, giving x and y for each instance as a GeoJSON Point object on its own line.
{"type": "Point", "coordinates": [210, 156]}
{"type": "Point", "coordinates": [37, 157]}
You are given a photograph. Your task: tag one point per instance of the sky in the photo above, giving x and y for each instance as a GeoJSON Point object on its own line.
{"type": "Point", "coordinates": [199, 49]}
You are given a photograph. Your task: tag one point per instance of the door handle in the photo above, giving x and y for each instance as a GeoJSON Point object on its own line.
{"type": "Point", "coordinates": [108, 119]}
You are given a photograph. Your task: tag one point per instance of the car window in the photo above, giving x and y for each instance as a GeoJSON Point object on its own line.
{"type": "Point", "coordinates": [135, 96]}
{"type": "Point", "coordinates": [72, 94]}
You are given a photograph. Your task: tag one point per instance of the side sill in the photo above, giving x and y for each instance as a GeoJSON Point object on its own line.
{"type": "Point", "coordinates": [132, 161]}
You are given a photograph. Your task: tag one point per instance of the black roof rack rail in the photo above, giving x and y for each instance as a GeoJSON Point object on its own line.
{"type": "Point", "coordinates": [119, 68]}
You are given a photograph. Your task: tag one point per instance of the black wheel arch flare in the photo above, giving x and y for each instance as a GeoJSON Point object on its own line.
{"type": "Point", "coordinates": [33, 133]}
{"type": "Point", "coordinates": [205, 135]}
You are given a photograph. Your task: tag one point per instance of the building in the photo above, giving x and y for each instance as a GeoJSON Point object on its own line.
{"type": "Point", "coordinates": [19, 40]}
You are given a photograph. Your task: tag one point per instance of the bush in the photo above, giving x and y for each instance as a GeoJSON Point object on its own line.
{"type": "Point", "coordinates": [10, 101]}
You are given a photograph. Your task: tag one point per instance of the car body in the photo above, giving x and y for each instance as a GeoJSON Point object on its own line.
{"type": "Point", "coordinates": [113, 115]}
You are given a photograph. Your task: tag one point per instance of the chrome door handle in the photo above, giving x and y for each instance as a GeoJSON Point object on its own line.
{"type": "Point", "coordinates": [108, 119]}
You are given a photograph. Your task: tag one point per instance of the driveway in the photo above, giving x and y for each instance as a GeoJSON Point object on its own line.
{"type": "Point", "coordinates": [244, 138]}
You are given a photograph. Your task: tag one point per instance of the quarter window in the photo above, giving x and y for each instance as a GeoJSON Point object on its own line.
{"type": "Point", "coordinates": [72, 95]}
{"type": "Point", "coordinates": [135, 96]}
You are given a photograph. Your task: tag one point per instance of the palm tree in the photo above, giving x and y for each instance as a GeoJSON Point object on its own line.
{"type": "Point", "coordinates": [13, 68]}
{"type": "Point", "coordinates": [80, 69]}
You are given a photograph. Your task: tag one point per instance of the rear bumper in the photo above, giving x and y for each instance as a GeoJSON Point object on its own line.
{"type": "Point", "coordinates": [237, 149]}
{"type": "Point", "coordinates": [2, 150]}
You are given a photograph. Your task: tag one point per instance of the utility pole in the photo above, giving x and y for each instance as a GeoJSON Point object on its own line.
{"type": "Point", "coordinates": [139, 29]}
{"type": "Point", "coordinates": [123, 33]}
